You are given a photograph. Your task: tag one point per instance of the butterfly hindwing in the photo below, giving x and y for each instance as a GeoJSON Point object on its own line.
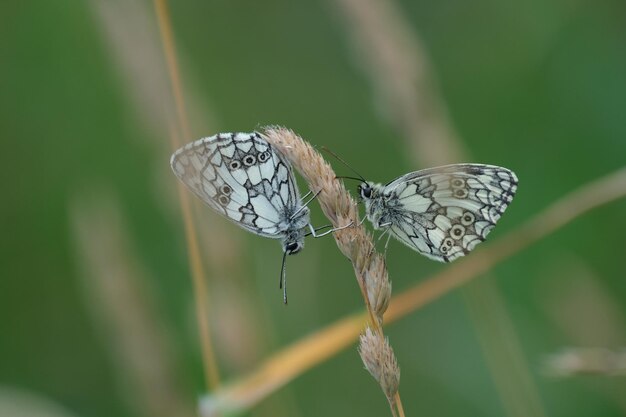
{"type": "Point", "coordinates": [444, 212]}
{"type": "Point", "coordinates": [242, 177]}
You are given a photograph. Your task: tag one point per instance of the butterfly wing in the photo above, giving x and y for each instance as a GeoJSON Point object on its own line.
{"type": "Point", "coordinates": [445, 212]}
{"type": "Point", "coordinates": [240, 176]}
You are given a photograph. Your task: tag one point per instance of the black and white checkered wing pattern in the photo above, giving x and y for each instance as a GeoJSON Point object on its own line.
{"type": "Point", "coordinates": [241, 177]}
{"type": "Point", "coordinates": [445, 212]}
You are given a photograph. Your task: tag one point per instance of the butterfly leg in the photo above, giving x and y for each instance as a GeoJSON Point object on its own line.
{"type": "Point", "coordinates": [307, 203]}
{"type": "Point", "coordinates": [387, 243]}
{"type": "Point", "coordinates": [318, 229]}
{"type": "Point", "coordinates": [314, 230]}
{"type": "Point", "coordinates": [387, 229]}
{"type": "Point", "coordinates": [304, 197]}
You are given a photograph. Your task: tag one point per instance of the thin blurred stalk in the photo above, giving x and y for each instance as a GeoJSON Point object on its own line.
{"type": "Point", "coordinates": [284, 366]}
{"type": "Point", "coordinates": [391, 53]}
{"type": "Point", "coordinates": [200, 289]}
{"type": "Point", "coordinates": [16, 402]}
{"type": "Point", "coordinates": [586, 361]}
{"type": "Point", "coordinates": [130, 31]}
{"type": "Point", "coordinates": [118, 293]}
{"type": "Point", "coordinates": [211, 372]}
{"type": "Point", "coordinates": [502, 349]}
{"type": "Point", "coordinates": [169, 50]}
{"type": "Point", "coordinates": [588, 313]}
{"type": "Point", "coordinates": [505, 357]}
{"type": "Point", "coordinates": [287, 364]}
{"type": "Point", "coordinates": [393, 58]}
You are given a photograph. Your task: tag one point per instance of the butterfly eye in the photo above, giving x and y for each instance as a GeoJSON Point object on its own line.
{"type": "Point", "coordinates": [249, 160]}
{"type": "Point", "coordinates": [234, 164]}
{"type": "Point", "coordinates": [225, 189]}
{"type": "Point", "coordinates": [366, 191]}
{"type": "Point", "coordinates": [292, 248]}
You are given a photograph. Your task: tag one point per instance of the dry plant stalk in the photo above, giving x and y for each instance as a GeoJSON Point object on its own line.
{"type": "Point", "coordinates": [117, 290]}
{"type": "Point", "coordinates": [198, 274]}
{"type": "Point", "coordinates": [356, 244]}
{"type": "Point", "coordinates": [128, 27]}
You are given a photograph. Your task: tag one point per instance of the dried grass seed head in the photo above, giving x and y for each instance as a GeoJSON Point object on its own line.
{"type": "Point", "coordinates": [377, 286]}
{"type": "Point", "coordinates": [380, 361]}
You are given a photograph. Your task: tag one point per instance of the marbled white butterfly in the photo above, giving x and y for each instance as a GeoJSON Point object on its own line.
{"type": "Point", "coordinates": [243, 178]}
{"type": "Point", "coordinates": [443, 212]}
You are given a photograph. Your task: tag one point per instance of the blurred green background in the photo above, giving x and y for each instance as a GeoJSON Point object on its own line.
{"type": "Point", "coordinates": [95, 295]}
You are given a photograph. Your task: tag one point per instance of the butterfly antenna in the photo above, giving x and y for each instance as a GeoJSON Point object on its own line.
{"type": "Point", "coordinates": [339, 177]}
{"type": "Point", "coordinates": [282, 283]}
{"type": "Point", "coordinates": [325, 149]}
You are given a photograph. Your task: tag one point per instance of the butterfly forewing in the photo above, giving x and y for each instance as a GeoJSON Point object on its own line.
{"type": "Point", "coordinates": [243, 178]}
{"type": "Point", "coordinates": [444, 212]}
